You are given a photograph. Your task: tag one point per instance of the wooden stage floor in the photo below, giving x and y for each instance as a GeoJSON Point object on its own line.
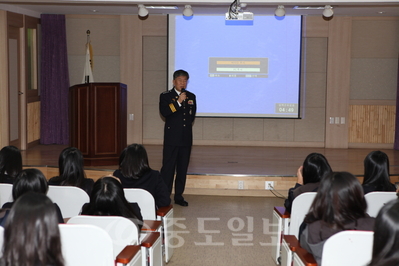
{"type": "Point", "coordinates": [218, 160]}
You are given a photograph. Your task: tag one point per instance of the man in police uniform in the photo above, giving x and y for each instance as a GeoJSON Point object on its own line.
{"type": "Point", "coordinates": [178, 107]}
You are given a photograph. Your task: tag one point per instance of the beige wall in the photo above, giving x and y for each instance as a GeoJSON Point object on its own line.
{"type": "Point", "coordinates": [345, 60]}
{"type": "Point", "coordinates": [330, 50]}
{"type": "Point", "coordinates": [374, 62]}
{"type": "Point", "coordinates": [373, 83]}
{"type": "Point", "coordinates": [105, 38]}
{"type": "Point", "coordinates": [308, 131]}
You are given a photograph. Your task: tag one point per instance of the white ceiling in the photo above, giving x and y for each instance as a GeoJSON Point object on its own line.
{"type": "Point", "coordinates": [258, 7]}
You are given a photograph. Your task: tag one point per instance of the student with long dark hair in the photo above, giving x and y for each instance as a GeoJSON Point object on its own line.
{"type": "Point", "coordinates": [10, 164]}
{"type": "Point", "coordinates": [386, 236]}
{"type": "Point", "coordinates": [31, 233]}
{"type": "Point", "coordinates": [71, 171]}
{"type": "Point", "coordinates": [108, 199]}
{"type": "Point", "coordinates": [30, 180]}
{"type": "Point", "coordinates": [339, 205]}
{"type": "Point", "coordinates": [314, 169]}
{"type": "Point", "coordinates": [376, 173]}
{"type": "Point", "coordinates": [135, 172]}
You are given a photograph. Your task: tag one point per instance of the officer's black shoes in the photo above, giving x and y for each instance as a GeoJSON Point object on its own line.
{"type": "Point", "coordinates": [181, 203]}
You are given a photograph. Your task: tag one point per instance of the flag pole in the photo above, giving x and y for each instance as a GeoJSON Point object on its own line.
{"type": "Point", "coordinates": [88, 69]}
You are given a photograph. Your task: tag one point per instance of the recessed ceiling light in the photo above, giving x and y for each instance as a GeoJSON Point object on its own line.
{"type": "Point", "coordinates": [308, 7]}
{"type": "Point", "coordinates": [162, 7]}
{"type": "Point", "coordinates": [381, 12]}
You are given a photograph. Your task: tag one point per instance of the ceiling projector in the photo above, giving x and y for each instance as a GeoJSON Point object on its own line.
{"type": "Point", "coordinates": [240, 16]}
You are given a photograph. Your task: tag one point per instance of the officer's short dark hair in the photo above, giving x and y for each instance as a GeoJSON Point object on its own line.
{"type": "Point", "coordinates": [179, 73]}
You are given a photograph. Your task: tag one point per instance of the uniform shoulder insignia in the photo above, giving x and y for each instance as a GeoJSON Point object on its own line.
{"type": "Point", "coordinates": [165, 92]}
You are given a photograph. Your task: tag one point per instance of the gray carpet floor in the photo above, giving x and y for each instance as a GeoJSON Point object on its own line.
{"type": "Point", "coordinates": [219, 230]}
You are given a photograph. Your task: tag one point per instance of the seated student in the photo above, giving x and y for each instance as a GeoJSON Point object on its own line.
{"type": "Point", "coordinates": [386, 236]}
{"type": "Point", "coordinates": [30, 180]}
{"type": "Point", "coordinates": [339, 205]}
{"type": "Point", "coordinates": [71, 171]}
{"type": "Point", "coordinates": [31, 233]}
{"type": "Point", "coordinates": [108, 199]}
{"type": "Point", "coordinates": [376, 173]}
{"type": "Point", "coordinates": [10, 164]}
{"type": "Point", "coordinates": [135, 172]}
{"type": "Point", "coordinates": [314, 169]}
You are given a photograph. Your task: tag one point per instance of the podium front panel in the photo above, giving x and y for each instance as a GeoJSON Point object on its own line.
{"type": "Point", "coordinates": [98, 121]}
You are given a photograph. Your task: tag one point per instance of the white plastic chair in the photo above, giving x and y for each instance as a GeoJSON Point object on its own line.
{"type": "Point", "coordinates": [348, 248]}
{"type": "Point", "coordinates": [300, 207]}
{"type": "Point", "coordinates": [280, 227]}
{"type": "Point", "coordinates": [5, 193]}
{"type": "Point", "coordinates": [69, 199]}
{"type": "Point", "coordinates": [144, 199]}
{"type": "Point", "coordinates": [89, 245]}
{"type": "Point", "coordinates": [1, 240]}
{"type": "Point", "coordinates": [165, 214]}
{"type": "Point", "coordinates": [146, 202]}
{"type": "Point", "coordinates": [84, 245]}
{"type": "Point", "coordinates": [124, 232]}
{"type": "Point", "coordinates": [303, 258]}
{"type": "Point", "coordinates": [131, 256]}
{"type": "Point", "coordinates": [376, 200]}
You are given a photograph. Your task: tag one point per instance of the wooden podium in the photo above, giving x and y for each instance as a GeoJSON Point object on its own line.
{"type": "Point", "coordinates": [97, 121]}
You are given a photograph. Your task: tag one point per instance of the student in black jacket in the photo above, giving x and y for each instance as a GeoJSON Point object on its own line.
{"type": "Point", "coordinates": [108, 199]}
{"type": "Point", "coordinates": [376, 173]}
{"type": "Point", "coordinates": [135, 172]}
{"type": "Point", "coordinates": [10, 164]}
{"type": "Point", "coordinates": [31, 233]}
{"type": "Point", "coordinates": [314, 169]}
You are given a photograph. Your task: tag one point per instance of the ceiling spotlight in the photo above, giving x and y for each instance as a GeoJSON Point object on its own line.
{"type": "Point", "coordinates": [280, 11]}
{"type": "Point", "coordinates": [188, 11]}
{"type": "Point", "coordinates": [328, 11]}
{"type": "Point", "coordinates": [142, 11]}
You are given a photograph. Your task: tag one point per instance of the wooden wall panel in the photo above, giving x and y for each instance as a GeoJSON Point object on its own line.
{"type": "Point", "coordinates": [4, 79]}
{"type": "Point", "coordinates": [131, 59]}
{"type": "Point", "coordinates": [314, 27]}
{"type": "Point", "coordinates": [372, 123]}
{"type": "Point", "coordinates": [33, 121]}
{"type": "Point", "coordinates": [338, 80]}
{"type": "Point", "coordinates": [155, 25]}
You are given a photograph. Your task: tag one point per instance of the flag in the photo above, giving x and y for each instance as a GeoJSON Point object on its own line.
{"type": "Point", "coordinates": [88, 69]}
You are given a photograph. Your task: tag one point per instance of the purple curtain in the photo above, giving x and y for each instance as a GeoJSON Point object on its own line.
{"type": "Point", "coordinates": [396, 142]}
{"type": "Point", "coordinates": [54, 81]}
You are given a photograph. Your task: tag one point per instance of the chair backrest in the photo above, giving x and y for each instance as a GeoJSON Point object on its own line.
{"type": "Point", "coordinates": [300, 207]}
{"type": "Point", "coordinates": [69, 199]}
{"type": "Point", "coordinates": [122, 231]}
{"type": "Point", "coordinates": [348, 248]}
{"type": "Point", "coordinates": [84, 245]}
{"type": "Point", "coordinates": [5, 193]}
{"type": "Point", "coordinates": [144, 199]}
{"type": "Point", "coordinates": [1, 240]}
{"type": "Point", "coordinates": [376, 200]}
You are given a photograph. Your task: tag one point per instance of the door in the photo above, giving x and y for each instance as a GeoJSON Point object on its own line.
{"type": "Point", "coordinates": [14, 88]}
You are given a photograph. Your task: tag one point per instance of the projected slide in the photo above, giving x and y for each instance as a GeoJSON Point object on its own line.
{"type": "Point", "coordinates": [239, 70]}
{"type": "Point", "coordinates": [238, 67]}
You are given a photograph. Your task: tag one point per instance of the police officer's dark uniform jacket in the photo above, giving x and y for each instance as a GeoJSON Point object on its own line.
{"type": "Point", "coordinates": [178, 138]}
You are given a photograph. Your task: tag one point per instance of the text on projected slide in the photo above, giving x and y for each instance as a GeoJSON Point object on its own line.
{"type": "Point", "coordinates": [232, 67]}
